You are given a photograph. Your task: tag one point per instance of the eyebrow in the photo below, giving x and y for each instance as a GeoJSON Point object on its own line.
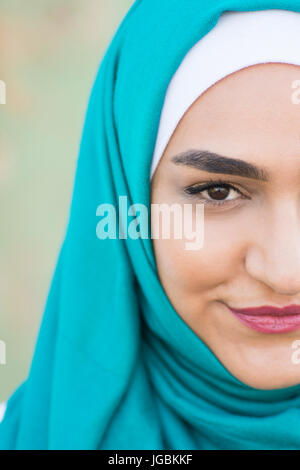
{"type": "Point", "coordinates": [215, 163]}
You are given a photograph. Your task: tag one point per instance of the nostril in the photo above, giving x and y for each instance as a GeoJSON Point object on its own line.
{"type": "Point", "coordinates": [284, 285]}
{"type": "Point", "coordinates": [278, 269]}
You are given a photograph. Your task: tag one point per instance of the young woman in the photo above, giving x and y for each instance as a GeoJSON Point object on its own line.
{"type": "Point", "coordinates": [170, 342]}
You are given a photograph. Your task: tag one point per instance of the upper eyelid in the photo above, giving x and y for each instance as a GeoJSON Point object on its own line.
{"type": "Point", "coordinates": [210, 184]}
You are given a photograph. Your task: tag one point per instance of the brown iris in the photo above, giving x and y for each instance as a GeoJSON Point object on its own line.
{"type": "Point", "coordinates": [218, 192]}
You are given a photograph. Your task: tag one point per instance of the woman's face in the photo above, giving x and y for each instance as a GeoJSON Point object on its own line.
{"type": "Point", "coordinates": [251, 251]}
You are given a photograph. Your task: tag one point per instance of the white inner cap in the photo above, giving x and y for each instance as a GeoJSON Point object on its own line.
{"type": "Point", "coordinates": [238, 40]}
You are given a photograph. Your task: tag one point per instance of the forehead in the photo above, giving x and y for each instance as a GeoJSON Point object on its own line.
{"type": "Point", "coordinates": [249, 114]}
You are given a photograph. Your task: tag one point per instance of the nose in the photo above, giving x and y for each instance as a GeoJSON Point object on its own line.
{"type": "Point", "coordinates": [274, 257]}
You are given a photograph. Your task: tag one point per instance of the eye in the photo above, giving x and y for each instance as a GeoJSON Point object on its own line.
{"type": "Point", "coordinates": [215, 192]}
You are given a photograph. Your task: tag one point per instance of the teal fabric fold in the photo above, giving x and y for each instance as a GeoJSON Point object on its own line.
{"type": "Point", "coordinates": [115, 366]}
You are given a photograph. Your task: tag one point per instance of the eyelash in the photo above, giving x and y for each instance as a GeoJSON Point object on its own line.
{"type": "Point", "coordinates": [199, 188]}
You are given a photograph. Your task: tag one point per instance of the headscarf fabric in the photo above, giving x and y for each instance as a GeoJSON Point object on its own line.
{"type": "Point", "coordinates": [239, 39]}
{"type": "Point", "coordinates": [115, 366]}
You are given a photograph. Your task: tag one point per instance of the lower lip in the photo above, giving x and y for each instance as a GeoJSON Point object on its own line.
{"type": "Point", "coordinates": [269, 323]}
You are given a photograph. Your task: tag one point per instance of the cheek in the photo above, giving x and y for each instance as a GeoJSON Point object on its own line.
{"type": "Point", "coordinates": [217, 262]}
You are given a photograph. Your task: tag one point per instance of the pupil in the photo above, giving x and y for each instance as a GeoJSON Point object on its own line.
{"type": "Point", "coordinates": [218, 192]}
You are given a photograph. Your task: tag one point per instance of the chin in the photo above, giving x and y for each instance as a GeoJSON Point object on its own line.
{"type": "Point", "coordinates": [266, 376]}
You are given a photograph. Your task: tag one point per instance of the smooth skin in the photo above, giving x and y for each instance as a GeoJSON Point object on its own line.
{"type": "Point", "coordinates": [251, 251]}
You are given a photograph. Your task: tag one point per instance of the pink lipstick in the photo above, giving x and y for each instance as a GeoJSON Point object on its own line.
{"type": "Point", "coordinates": [268, 319]}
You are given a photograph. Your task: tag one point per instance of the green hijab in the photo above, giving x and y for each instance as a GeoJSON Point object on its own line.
{"type": "Point", "coordinates": [115, 367]}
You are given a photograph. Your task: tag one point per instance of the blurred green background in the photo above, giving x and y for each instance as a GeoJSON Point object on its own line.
{"type": "Point", "coordinates": [49, 54]}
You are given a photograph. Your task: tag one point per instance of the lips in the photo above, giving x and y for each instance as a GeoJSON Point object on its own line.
{"type": "Point", "coordinates": [269, 319]}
